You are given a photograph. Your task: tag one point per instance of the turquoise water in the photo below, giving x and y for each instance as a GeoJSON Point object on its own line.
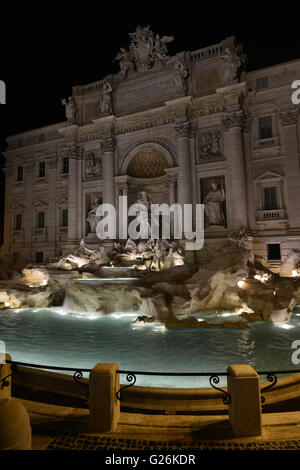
{"type": "Point", "coordinates": [59, 338]}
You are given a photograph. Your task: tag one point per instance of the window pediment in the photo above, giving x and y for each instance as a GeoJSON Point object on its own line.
{"type": "Point", "coordinates": [269, 175]}
{"type": "Point", "coordinates": [40, 205]}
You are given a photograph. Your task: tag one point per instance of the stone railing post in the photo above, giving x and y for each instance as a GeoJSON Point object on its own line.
{"type": "Point", "coordinates": [5, 371]}
{"type": "Point", "coordinates": [245, 408]}
{"type": "Point", "coordinates": [15, 429]}
{"type": "Point", "coordinates": [104, 405]}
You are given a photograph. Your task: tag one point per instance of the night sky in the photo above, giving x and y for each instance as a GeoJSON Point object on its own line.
{"type": "Point", "coordinates": [45, 50]}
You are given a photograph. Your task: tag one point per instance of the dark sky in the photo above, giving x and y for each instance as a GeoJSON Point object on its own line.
{"type": "Point", "coordinates": [45, 51]}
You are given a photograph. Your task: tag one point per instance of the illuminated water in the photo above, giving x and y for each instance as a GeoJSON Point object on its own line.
{"type": "Point", "coordinates": [56, 337]}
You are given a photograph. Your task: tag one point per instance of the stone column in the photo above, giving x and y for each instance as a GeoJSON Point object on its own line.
{"type": "Point", "coordinates": [233, 143]}
{"type": "Point", "coordinates": [28, 216]}
{"type": "Point", "coordinates": [249, 174]}
{"type": "Point", "coordinates": [192, 136]}
{"type": "Point", "coordinates": [80, 211]}
{"type": "Point", "coordinates": [108, 149]}
{"type": "Point", "coordinates": [185, 195]}
{"type": "Point", "coordinates": [74, 152]}
{"type": "Point", "coordinates": [288, 120]}
{"type": "Point", "coordinates": [52, 175]}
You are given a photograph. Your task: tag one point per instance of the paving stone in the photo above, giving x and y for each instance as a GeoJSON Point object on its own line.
{"type": "Point", "coordinates": [69, 441]}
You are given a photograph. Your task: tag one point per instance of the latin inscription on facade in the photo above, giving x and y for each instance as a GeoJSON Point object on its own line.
{"type": "Point", "coordinates": [143, 95]}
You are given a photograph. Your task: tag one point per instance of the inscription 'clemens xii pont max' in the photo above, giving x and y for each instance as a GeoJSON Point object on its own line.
{"type": "Point", "coordinates": [151, 92]}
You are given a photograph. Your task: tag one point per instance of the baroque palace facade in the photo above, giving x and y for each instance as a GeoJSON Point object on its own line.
{"type": "Point", "coordinates": [191, 128]}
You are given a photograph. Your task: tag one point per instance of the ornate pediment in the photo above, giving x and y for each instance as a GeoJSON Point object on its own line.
{"type": "Point", "coordinates": [146, 49]}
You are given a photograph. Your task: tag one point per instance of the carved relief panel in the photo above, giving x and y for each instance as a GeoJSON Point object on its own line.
{"type": "Point", "coordinates": [210, 144]}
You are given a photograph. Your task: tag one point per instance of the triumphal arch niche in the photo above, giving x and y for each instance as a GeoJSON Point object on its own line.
{"type": "Point", "coordinates": [147, 166]}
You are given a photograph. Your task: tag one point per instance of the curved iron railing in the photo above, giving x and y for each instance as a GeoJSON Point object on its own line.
{"type": "Point", "coordinates": [214, 378]}
{"type": "Point", "coordinates": [272, 378]}
{"type": "Point", "coordinates": [77, 376]}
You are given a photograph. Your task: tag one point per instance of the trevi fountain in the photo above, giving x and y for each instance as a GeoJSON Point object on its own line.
{"type": "Point", "coordinates": [142, 306]}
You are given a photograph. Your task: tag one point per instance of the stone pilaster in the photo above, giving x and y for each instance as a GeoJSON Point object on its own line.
{"type": "Point", "coordinates": [52, 175]}
{"type": "Point", "coordinates": [108, 151]}
{"type": "Point", "coordinates": [172, 199]}
{"type": "Point", "coordinates": [9, 175]}
{"type": "Point", "coordinates": [232, 123]}
{"type": "Point", "coordinates": [247, 128]}
{"type": "Point", "coordinates": [75, 154]}
{"type": "Point", "coordinates": [288, 121]}
{"type": "Point", "coordinates": [28, 216]}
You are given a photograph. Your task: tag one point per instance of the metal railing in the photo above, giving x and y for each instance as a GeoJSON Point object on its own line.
{"type": "Point", "coordinates": [214, 377]}
{"type": "Point", "coordinates": [77, 376]}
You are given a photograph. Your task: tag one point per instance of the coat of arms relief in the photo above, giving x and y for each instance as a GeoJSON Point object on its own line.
{"type": "Point", "coordinates": [146, 49]}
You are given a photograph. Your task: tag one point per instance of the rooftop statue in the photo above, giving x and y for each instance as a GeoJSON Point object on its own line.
{"type": "Point", "coordinates": [232, 64]}
{"type": "Point", "coordinates": [70, 109]}
{"type": "Point", "coordinates": [181, 76]}
{"type": "Point", "coordinates": [145, 50]}
{"type": "Point", "coordinates": [106, 104]}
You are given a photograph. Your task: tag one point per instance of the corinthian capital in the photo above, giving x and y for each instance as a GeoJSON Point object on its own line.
{"type": "Point", "coordinates": [235, 119]}
{"type": "Point", "coordinates": [172, 180]}
{"type": "Point", "coordinates": [52, 163]}
{"type": "Point", "coordinates": [108, 144]}
{"type": "Point", "coordinates": [73, 151]}
{"type": "Point", "coordinates": [182, 129]}
{"type": "Point", "coordinates": [29, 167]}
{"type": "Point", "coordinates": [289, 117]}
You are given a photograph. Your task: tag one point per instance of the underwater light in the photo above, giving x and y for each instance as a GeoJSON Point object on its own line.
{"type": "Point", "coordinates": [241, 284]}
{"type": "Point", "coordinates": [262, 278]}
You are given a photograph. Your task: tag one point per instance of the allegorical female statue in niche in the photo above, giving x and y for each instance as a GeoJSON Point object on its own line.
{"type": "Point", "coordinates": [92, 218]}
{"type": "Point", "coordinates": [144, 212]}
{"type": "Point", "coordinates": [213, 201]}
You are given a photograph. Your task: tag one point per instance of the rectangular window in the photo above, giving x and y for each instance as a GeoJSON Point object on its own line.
{"type": "Point", "coordinates": [265, 127]}
{"type": "Point", "coordinates": [20, 173]}
{"type": "Point", "coordinates": [65, 169]}
{"type": "Point", "coordinates": [39, 256]}
{"type": "Point", "coordinates": [270, 198]}
{"type": "Point", "coordinates": [18, 222]}
{"type": "Point", "coordinates": [42, 169]}
{"type": "Point", "coordinates": [262, 82]}
{"type": "Point", "coordinates": [40, 219]}
{"type": "Point", "coordinates": [273, 250]}
{"type": "Point", "coordinates": [64, 217]}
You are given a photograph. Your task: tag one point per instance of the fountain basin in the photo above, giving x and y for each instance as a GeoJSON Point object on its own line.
{"type": "Point", "coordinates": [60, 338]}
